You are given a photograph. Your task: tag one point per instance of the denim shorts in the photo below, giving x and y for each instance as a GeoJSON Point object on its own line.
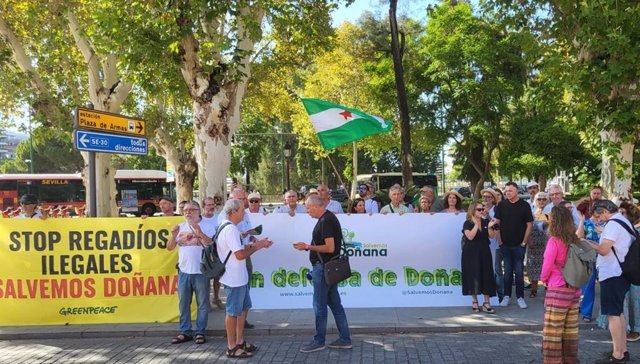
{"type": "Point", "coordinates": [612, 292]}
{"type": "Point", "coordinates": [238, 299]}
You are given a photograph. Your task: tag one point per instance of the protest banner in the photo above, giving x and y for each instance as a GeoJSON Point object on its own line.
{"type": "Point", "coordinates": [106, 270]}
{"type": "Point", "coordinates": [117, 270]}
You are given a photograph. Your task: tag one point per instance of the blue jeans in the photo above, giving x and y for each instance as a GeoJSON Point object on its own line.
{"type": "Point", "coordinates": [323, 296]}
{"type": "Point", "coordinates": [499, 274]}
{"type": "Point", "coordinates": [632, 308]}
{"type": "Point", "coordinates": [188, 284]}
{"type": "Point", "coordinates": [513, 263]}
{"type": "Point", "coordinates": [589, 295]}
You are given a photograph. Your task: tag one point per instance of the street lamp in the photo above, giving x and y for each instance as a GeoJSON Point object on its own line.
{"type": "Point", "coordinates": [287, 156]}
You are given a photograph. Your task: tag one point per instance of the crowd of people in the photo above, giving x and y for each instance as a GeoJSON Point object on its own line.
{"type": "Point", "coordinates": [538, 232]}
{"type": "Point", "coordinates": [236, 242]}
{"type": "Point", "coordinates": [542, 230]}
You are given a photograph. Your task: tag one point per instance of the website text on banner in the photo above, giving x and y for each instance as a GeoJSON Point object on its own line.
{"type": "Point", "coordinates": [411, 260]}
{"type": "Point", "coordinates": [106, 270]}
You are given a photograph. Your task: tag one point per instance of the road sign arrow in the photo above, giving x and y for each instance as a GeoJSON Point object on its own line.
{"type": "Point", "coordinates": [83, 139]}
{"type": "Point", "coordinates": [139, 127]}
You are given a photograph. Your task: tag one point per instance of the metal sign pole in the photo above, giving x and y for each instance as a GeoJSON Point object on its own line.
{"type": "Point", "coordinates": [93, 200]}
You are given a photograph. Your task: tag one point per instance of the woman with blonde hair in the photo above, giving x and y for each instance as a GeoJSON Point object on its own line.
{"type": "Point", "coordinates": [560, 328]}
{"type": "Point", "coordinates": [537, 241]}
{"type": "Point", "coordinates": [477, 264]}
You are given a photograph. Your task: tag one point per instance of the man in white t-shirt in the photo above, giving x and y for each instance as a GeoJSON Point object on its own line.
{"type": "Point", "coordinates": [613, 247]}
{"type": "Point", "coordinates": [209, 217]}
{"type": "Point", "coordinates": [244, 226]}
{"type": "Point", "coordinates": [331, 205]}
{"type": "Point", "coordinates": [291, 205]}
{"type": "Point", "coordinates": [191, 237]}
{"type": "Point", "coordinates": [254, 204]}
{"type": "Point", "coordinates": [236, 277]}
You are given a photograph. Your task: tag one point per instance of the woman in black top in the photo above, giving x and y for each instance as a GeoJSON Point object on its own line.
{"type": "Point", "coordinates": [477, 264]}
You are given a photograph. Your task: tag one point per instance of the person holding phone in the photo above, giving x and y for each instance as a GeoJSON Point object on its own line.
{"type": "Point", "coordinates": [326, 242]}
{"type": "Point", "coordinates": [191, 237]}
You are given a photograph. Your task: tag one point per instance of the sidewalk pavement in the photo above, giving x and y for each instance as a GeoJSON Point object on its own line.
{"type": "Point", "coordinates": [301, 322]}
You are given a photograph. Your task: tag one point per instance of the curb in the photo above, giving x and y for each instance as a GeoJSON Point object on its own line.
{"type": "Point", "coordinates": [271, 331]}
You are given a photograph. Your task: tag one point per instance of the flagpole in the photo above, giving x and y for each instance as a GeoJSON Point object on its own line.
{"type": "Point", "coordinates": [335, 170]}
{"type": "Point", "coordinates": [354, 179]}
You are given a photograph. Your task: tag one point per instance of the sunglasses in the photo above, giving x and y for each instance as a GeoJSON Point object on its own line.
{"type": "Point", "coordinates": [480, 209]}
{"type": "Point", "coordinates": [254, 201]}
{"type": "Point", "coordinates": [541, 199]}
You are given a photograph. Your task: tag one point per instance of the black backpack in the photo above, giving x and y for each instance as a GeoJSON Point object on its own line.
{"type": "Point", "coordinates": [631, 265]}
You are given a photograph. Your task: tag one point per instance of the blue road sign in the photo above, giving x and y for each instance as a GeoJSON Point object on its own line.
{"type": "Point", "coordinates": [110, 143]}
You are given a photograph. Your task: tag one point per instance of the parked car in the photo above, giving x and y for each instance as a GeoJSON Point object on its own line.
{"type": "Point", "coordinates": [339, 194]}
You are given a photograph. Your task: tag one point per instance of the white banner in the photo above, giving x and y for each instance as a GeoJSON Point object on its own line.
{"type": "Point", "coordinates": [411, 260]}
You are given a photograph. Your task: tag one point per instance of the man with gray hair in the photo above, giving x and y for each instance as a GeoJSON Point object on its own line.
{"type": "Point", "coordinates": [556, 196]}
{"type": "Point", "coordinates": [396, 194]}
{"type": "Point", "coordinates": [331, 205]}
{"type": "Point", "coordinates": [326, 243]}
{"type": "Point", "coordinates": [191, 237]}
{"type": "Point", "coordinates": [236, 277]}
{"type": "Point", "coordinates": [291, 205]}
{"type": "Point", "coordinates": [244, 226]}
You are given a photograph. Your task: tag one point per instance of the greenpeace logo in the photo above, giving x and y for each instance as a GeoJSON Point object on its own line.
{"type": "Point", "coordinates": [91, 310]}
{"type": "Point", "coordinates": [353, 248]}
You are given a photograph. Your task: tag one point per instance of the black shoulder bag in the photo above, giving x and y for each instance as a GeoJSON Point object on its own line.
{"type": "Point", "coordinates": [211, 266]}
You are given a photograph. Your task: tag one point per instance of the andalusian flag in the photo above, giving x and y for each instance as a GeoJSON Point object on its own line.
{"type": "Point", "coordinates": [337, 125]}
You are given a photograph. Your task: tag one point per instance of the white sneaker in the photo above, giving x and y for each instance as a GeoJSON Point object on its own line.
{"type": "Point", "coordinates": [522, 303]}
{"type": "Point", "coordinates": [504, 302]}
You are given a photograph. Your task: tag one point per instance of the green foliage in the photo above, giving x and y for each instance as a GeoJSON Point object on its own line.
{"type": "Point", "coordinates": [51, 50]}
{"type": "Point", "coordinates": [53, 152]}
{"type": "Point", "coordinates": [149, 161]}
{"type": "Point", "coordinates": [475, 69]}
{"type": "Point", "coordinates": [590, 53]}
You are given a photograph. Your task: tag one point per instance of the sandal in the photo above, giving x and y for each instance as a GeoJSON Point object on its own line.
{"type": "Point", "coordinates": [249, 348]}
{"type": "Point", "coordinates": [586, 319]}
{"type": "Point", "coordinates": [474, 307]}
{"type": "Point", "coordinates": [181, 338]}
{"type": "Point", "coordinates": [533, 293]}
{"type": "Point", "coordinates": [238, 352]}
{"type": "Point", "coordinates": [200, 339]}
{"type": "Point", "coordinates": [486, 307]}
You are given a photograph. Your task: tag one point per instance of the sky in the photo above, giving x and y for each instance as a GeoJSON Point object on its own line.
{"type": "Point", "coordinates": [380, 8]}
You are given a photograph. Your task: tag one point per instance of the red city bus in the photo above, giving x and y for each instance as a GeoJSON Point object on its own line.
{"type": "Point", "coordinates": [141, 190]}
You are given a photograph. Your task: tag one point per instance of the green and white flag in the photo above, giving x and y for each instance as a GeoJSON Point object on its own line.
{"type": "Point", "coordinates": [337, 125]}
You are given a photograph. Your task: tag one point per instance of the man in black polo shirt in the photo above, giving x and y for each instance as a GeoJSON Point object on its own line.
{"type": "Point", "coordinates": [515, 219]}
{"type": "Point", "coordinates": [325, 244]}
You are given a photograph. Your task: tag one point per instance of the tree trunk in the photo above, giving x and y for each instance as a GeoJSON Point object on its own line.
{"type": "Point", "coordinates": [616, 176]}
{"type": "Point", "coordinates": [403, 106]}
{"type": "Point", "coordinates": [181, 161]}
{"type": "Point", "coordinates": [478, 187]}
{"type": "Point", "coordinates": [542, 182]}
{"type": "Point", "coordinates": [107, 92]}
{"type": "Point", "coordinates": [185, 178]}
